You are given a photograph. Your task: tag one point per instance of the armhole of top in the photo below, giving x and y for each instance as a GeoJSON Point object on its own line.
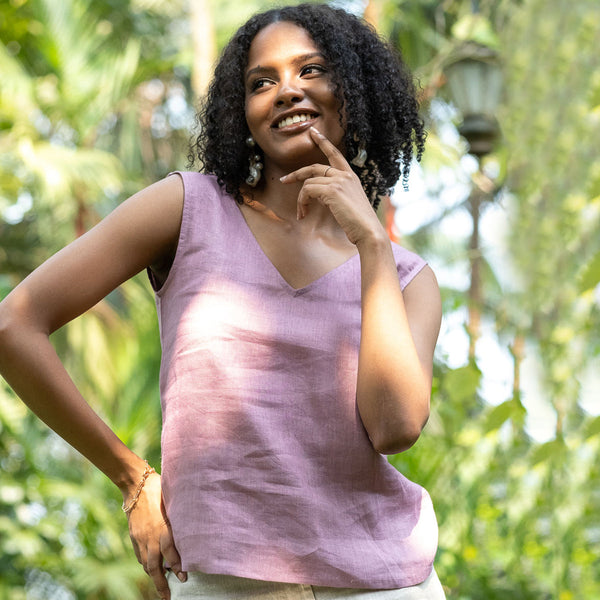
{"type": "Point", "coordinates": [159, 289]}
{"type": "Point", "coordinates": [415, 265]}
{"type": "Point", "coordinates": [406, 279]}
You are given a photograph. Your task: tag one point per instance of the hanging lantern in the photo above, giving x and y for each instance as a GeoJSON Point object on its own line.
{"type": "Point", "coordinates": [474, 79]}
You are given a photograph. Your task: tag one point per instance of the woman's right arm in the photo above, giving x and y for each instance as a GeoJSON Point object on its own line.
{"type": "Point", "coordinates": [140, 232]}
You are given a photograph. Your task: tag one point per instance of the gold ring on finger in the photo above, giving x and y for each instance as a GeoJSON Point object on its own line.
{"type": "Point", "coordinates": [327, 169]}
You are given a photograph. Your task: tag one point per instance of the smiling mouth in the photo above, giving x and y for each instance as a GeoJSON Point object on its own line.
{"type": "Point", "coordinates": [293, 120]}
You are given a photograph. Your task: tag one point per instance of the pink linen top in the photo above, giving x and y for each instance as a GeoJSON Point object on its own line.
{"type": "Point", "coordinates": [267, 470]}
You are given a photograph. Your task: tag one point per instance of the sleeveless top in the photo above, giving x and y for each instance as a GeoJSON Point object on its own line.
{"type": "Point", "coordinates": [267, 470]}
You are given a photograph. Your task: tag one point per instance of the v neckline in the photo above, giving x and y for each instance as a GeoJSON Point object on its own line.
{"type": "Point", "coordinates": [269, 263]}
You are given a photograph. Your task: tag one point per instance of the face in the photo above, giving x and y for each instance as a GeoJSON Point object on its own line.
{"type": "Point", "coordinates": [288, 90]}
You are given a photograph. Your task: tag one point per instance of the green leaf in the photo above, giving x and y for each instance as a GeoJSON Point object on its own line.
{"type": "Point", "coordinates": [548, 451]}
{"type": "Point", "coordinates": [590, 277]}
{"type": "Point", "coordinates": [499, 415]}
{"type": "Point", "coordinates": [475, 28]}
{"type": "Point", "coordinates": [462, 384]}
{"type": "Point", "coordinates": [592, 428]}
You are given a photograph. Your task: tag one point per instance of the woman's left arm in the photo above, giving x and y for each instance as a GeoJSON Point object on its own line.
{"type": "Point", "coordinates": [399, 329]}
{"type": "Point", "coordinates": [398, 335]}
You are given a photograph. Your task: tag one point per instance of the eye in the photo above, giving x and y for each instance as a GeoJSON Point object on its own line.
{"type": "Point", "coordinates": [258, 84]}
{"type": "Point", "coordinates": [313, 69]}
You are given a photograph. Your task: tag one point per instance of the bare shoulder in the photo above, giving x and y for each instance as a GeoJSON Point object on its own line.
{"type": "Point", "coordinates": [424, 309]}
{"type": "Point", "coordinates": [424, 285]}
{"type": "Point", "coordinates": [159, 207]}
{"type": "Point", "coordinates": [146, 225]}
{"type": "Point", "coordinates": [135, 235]}
{"type": "Point", "coordinates": [422, 294]}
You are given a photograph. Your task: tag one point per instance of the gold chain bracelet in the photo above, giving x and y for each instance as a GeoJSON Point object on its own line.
{"type": "Point", "coordinates": [147, 472]}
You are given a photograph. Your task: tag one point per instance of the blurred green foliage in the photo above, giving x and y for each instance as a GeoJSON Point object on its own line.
{"type": "Point", "coordinates": [96, 102]}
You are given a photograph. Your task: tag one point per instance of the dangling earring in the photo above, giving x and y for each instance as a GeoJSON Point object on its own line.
{"type": "Point", "coordinates": [255, 166]}
{"type": "Point", "coordinates": [361, 157]}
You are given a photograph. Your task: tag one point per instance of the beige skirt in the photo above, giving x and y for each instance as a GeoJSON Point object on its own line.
{"type": "Point", "coordinates": [201, 586]}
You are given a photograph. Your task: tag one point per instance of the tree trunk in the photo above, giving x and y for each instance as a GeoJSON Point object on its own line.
{"type": "Point", "coordinates": [204, 45]}
{"type": "Point", "coordinates": [372, 13]}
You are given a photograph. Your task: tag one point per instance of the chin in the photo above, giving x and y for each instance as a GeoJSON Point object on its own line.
{"type": "Point", "coordinates": [305, 154]}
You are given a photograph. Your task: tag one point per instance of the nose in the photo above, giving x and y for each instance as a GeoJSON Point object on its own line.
{"type": "Point", "coordinates": [288, 93]}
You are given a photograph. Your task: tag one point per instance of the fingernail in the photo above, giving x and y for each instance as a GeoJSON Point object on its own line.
{"type": "Point", "coordinates": [317, 131]}
{"type": "Point", "coordinates": [283, 178]}
{"type": "Point", "coordinates": [182, 577]}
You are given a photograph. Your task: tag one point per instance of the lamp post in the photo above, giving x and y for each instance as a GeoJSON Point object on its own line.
{"type": "Point", "coordinates": [474, 79]}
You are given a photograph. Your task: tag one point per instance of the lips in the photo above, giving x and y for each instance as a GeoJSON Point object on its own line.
{"type": "Point", "coordinates": [290, 119]}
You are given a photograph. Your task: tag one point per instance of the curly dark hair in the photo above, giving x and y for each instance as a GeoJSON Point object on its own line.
{"type": "Point", "coordinates": [370, 80]}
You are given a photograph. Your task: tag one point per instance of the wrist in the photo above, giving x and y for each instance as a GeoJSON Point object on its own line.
{"type": "Point", "coordinates": [130, 502]}
{"type": "Point", "coordinates": [375, 240]}
{"type": "Point", "coordinates": [130, 476]}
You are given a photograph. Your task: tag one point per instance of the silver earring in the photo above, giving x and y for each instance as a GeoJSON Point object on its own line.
{"type": "Point", "coordinates": [361, 157]}
{"type": "Point", "coordinates": [255, 166]}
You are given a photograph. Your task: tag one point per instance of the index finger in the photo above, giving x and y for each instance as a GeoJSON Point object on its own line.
{"type": "Point", "coordinates": [155, 569]}
{"type": "Point", "coordinates": [304, 173]}
{"type": "Point", "coordinates": [334, 156]}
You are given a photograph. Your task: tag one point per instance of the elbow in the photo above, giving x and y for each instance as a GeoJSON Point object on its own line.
{"type": "Point", "coordinates": [395, 435]}
{"type": "Point", "coordinates": [5, 323]}
{"type": "Point", "coordinates": [12, 323]}
{"type": "Point", "coordinates": [396, 441]}
{"type": "Point", "coordinates": [6, 327]}
{"type": "Point", "coordinates": [394, 415]}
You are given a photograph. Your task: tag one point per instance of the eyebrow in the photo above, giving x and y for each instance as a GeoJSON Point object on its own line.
{"type": "Point", "coordinates": [298, 59]}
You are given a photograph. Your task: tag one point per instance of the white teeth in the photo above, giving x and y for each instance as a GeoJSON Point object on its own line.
{"type": "Point", "coordinates": [294, 119]}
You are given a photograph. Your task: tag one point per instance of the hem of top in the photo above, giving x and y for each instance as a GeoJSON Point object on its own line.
{"type": "Point", "coordinates": [226, 568]}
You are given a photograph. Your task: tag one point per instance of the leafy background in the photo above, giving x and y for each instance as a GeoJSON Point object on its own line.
{"type": "Point", "coordinates": [97, 101]}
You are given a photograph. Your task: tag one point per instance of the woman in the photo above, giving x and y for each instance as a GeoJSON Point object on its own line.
{"type": "Point", "coordinates": [297, 341]}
